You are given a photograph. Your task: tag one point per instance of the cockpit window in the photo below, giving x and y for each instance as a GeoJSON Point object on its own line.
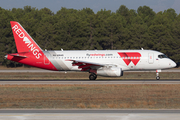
{"type": "Point", "coordinates": [162, 56]}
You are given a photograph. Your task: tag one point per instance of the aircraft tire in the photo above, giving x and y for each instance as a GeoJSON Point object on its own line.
{"type": "Point", "coordinates": [92, 76]}
{"type": "Point", "coordinates": [157, 78]}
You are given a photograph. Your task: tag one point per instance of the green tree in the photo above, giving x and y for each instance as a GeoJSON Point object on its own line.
{"type": "Point", "coordinates": [83, 29]}
{"type": "Point", "coordinates": [146, 13]}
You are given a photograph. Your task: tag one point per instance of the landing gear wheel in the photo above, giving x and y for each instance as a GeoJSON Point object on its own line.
{"type": "Point", "coordinates": [157, 78]}
{"type": "Point", "coordinates": [92, 76]}
{"type": "Point", "coordinates": [157, 74]}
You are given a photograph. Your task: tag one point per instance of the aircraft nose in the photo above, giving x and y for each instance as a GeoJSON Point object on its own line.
{"type": "Point", "coordinates": [173, 64]}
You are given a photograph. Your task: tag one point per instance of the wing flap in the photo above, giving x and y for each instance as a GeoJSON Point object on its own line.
{"type": "Point", "coordinates": [86, 66]}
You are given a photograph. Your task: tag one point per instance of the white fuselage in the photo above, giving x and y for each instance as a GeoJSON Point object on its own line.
{"type": "Point", "coordinates": [125, 59]}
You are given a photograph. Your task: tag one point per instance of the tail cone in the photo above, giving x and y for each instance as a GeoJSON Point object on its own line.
{"type": "Point", "coordinates": [5, 57]}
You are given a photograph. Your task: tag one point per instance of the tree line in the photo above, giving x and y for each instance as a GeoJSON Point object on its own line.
{"type": "Point", "coordinates": [83, 29]}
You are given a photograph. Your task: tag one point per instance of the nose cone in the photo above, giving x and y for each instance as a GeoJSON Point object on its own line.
{"type": "Point", "coordinates": [173, 64]}
{"type": "Point", "coordinates": [5, 56]}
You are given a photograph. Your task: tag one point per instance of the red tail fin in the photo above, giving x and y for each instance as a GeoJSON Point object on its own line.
{"type": "Point", "coordinates": [24, 42]}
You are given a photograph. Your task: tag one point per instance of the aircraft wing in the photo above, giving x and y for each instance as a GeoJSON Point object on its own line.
{"type": "Point", "coordinates": [86, 66]}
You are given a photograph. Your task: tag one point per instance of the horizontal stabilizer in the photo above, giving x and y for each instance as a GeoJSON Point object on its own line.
{"type": "Point", "coordinates": [18, 56]}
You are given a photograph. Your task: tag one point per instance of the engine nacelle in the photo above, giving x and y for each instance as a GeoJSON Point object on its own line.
{"type": "Point", "coordinates": [110, 72]}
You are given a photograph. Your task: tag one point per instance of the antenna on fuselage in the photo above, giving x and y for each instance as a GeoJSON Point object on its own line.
{"type": "Point", "coordinates": [61, 49]}
{"type": "Point", "coordinates": [142, 49]}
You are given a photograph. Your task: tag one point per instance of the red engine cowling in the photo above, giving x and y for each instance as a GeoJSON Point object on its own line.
{"type": "Point", "coordinates": [110, 72]}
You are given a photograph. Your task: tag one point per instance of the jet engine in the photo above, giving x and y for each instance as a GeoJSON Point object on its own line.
{"type": "Point", "coordinates": [110, 72]}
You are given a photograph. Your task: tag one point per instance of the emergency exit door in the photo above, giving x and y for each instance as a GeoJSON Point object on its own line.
{"type": "Point", "coordinates": [46, 59]}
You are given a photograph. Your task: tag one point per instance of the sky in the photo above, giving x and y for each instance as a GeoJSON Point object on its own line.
{"type": "Point", "coordinates": [95, 5]}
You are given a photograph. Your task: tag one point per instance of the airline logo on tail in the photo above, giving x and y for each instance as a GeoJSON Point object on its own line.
{"type": "Point", "coordinates": [26, 40]}
{"type": "Point", "coordinates": [30, 45]}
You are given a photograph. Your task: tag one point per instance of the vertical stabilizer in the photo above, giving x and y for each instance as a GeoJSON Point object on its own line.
{"type": "Point", "coordinates": [24, 42]}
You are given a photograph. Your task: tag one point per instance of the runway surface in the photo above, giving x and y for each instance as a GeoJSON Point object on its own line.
{"type": "Point", "coordinates": [98, 82]}
{"type": "Point", "coordinates": [90, 114]}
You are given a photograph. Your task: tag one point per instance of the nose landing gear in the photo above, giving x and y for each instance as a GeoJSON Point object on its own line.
{"type": "Point", "coordinates": [157, 74]}
{"type": "Point", "coordinates": [92, 76]}
{"type": "Point", "coordinates": [157, 78]}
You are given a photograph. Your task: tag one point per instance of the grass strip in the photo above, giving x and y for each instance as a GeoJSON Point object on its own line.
{"type": "Point", "coordinates": [91, 96]}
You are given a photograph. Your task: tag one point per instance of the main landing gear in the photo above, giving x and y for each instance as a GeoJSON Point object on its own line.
{"type": "Point", "coordinates": [157, 74]}
{"type": "Point", "coordinates": [92, 76]}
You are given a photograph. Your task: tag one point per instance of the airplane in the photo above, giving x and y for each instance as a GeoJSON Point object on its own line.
{"type": "Point", "coordinates": [109, 63]}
